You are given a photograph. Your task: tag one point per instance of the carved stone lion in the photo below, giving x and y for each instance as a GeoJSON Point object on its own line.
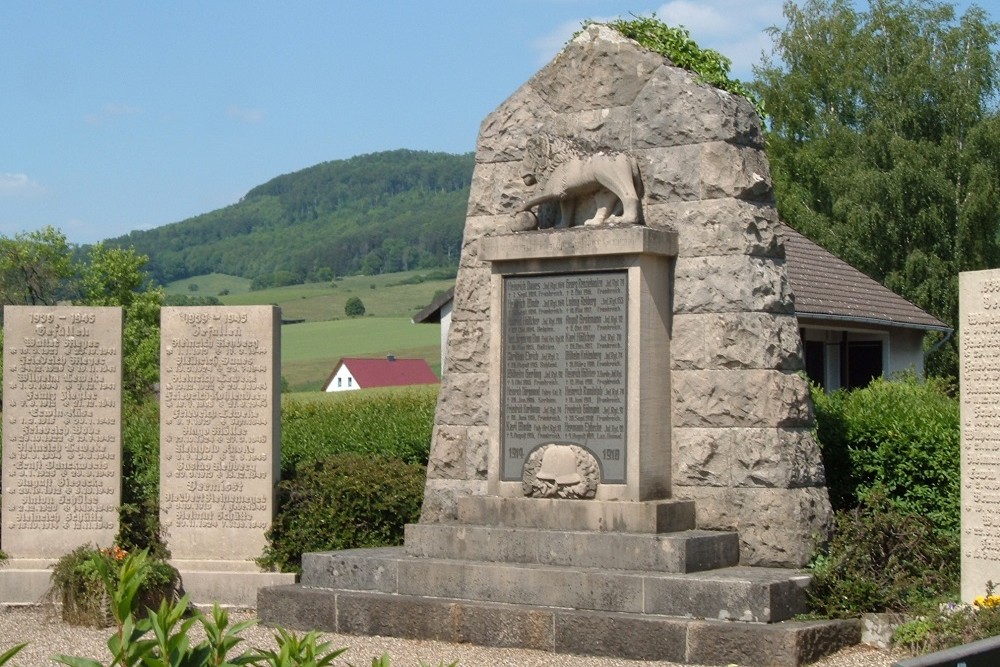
{"type": "Point", "coordinates": [602, 182]}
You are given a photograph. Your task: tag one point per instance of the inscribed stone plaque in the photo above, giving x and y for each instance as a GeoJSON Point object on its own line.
{"type": "Point", "coordinates": [62, 428]}
{"type": "Point", "coordinates": [219, 429]}
{"type": "Point", "coordinates": [564, 367]}
{"type": "Point", "coordinates": [979, 333]}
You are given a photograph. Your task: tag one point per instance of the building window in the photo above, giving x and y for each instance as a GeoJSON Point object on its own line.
{"type": "Point", "coordinates": [349, 381]}
{"type": "Point", "coordinates": [815, 352]}
{"type": "Point", "coordinates": [340, 382]}
{"type": "Point", "coordinates": [834, 361]}
{"type": "Point", "coordinates": [863, 363]}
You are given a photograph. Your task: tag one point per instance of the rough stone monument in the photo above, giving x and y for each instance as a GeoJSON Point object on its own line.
{"type": "Point", "coordinates": [621, 461]}
{"type": "Point", "coordinates": [61, 439]}
{"type": "Point", "coordinates": [220, 418]}
{"type": "Point", "coordinates": [979, 333]}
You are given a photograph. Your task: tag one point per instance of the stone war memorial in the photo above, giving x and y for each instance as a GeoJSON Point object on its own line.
{"type": "Point", "coordinates": [61, 439]}
{"type": "Point", "coordinates": [979, 333]}
{"type": "Point", "coordinates": [621, 462]}
{"type": "Point", "coordinates": [220, 446]}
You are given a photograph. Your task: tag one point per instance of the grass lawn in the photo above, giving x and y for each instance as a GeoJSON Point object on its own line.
{"type": "Point", "coordinates": [310, 349]}
{"type": "Point", "coordinates": [386, 295]}
{"type": "Point", "coordinates": [211, 284]}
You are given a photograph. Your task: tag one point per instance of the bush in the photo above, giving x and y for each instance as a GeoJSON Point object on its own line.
{"type": "Point", "coordinates": [951, 625]}
{"type": "Point", "coordinates": [78, 582]}
{"type": "Point", "coordinates": [343, 502]}
{"type": "Point", "coordinates": [882, 558]}
{"type": "Point", "coordinates": [139, 513]}
{"type": "Point", "coordinates": [900, 436]}
{"type": "Point", "coordinates": [354, 307]}
{"type": "Point", "coordinates": [393, 424]}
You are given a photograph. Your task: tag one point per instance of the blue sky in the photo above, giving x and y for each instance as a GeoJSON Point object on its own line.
{"type": "Point", "coordinates": [125, 114]}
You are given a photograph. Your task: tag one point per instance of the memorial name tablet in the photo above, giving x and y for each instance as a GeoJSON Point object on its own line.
{"type": "Point", "coordinates": [62, 428]}
{"type": "Point", "coordinates": [218, 432]}
{"type": "Point", "coordinates": [565, 350]}
{"type": "Point", "coordinates": [980, 407]}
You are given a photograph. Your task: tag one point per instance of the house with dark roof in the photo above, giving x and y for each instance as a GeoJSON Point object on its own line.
{"type": "Point", "coordinates": [363, 373]}
{"type": "Point", "coordinates": [853, 328]}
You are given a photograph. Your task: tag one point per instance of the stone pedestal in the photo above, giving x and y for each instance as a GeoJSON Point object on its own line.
{"type": "Point", "coordinates": [61, 439]}
{"type": "Point", "coordinates": [220, 446]}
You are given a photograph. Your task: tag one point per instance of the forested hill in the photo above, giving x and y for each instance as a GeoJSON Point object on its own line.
{"type": "Point", "coordinates": [376, 213]}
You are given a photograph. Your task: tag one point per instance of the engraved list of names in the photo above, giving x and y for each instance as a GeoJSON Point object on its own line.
{"type": "Point", "coordinates": [62, 428]}
{"type": "Point", "coordinates": [980, 408]}
{"type": "Point", "coordinates": [218, 429]}
{"type": "Point", "coordinates": [565, 349]}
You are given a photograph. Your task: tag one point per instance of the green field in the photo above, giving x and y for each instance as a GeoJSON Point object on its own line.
{"type": "Point", "coordinates": [212, 284]}
{"type": "Point", "coordinates": [310, 348]}
{"type": "Point", "coordinates": [383, 295]}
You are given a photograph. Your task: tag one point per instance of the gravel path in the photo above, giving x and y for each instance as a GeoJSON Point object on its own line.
{"type": "Point", "coordinates": [48, 635]}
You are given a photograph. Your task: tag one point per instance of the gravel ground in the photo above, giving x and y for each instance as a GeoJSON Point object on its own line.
{"type": "Point", "coordinates": [48, 635]}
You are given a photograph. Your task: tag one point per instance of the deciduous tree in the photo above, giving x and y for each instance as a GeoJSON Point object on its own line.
{"type": "Point", "coordinates": [354, 307]}
{"type": "Point", "coordinates": [884, 141]}
{"type": "Point", "coordinates": [35, 267]}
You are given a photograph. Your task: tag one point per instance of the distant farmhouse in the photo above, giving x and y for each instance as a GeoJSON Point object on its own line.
{"type": "Point", "coordinates": [359, 373]}
{"type": "Point", "coordinates": [853, 328]}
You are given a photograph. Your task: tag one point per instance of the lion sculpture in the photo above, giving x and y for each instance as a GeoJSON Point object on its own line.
{"type": "Point", "coordinates": [601, 184]}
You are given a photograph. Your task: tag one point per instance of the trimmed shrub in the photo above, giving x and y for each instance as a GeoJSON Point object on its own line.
{"type": "Point", "coordinates": [899, 436]}
{"type": "Point", "coordinates": [393, 424]}
{"type": "Point", "coordinates": [343, 502]}
{"type": "Point", "coordinates": [882, 558]}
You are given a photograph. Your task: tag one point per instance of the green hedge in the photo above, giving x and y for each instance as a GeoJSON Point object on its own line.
{"type": "Point", "coordinates": [343, 502]}
{"type": "Point", "coordinates": [394, 424]}
{"type": "Point", "coordinates": [899, 436]}
{"type": "Point", "coordinates": [139, 512]}
{"type": "Point", "coordinates": [892, 457]}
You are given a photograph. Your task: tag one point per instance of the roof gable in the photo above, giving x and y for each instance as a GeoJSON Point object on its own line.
{"type": "Point", "coordinates": [828, 288]}
{"type": "Point", "coordinates": [386, 372]}
{"type": "Point", "coordinates": [433, 311]}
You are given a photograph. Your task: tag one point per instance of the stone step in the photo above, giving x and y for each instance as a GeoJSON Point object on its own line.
{"type": "Point", "coordinates": [764, 595]}
{"type": "Point", "coordinates": [654, 516]}
{"type": "Point", "coordinates": [686, 551]}
{"type": "Point", "coordinates": [612, 634]}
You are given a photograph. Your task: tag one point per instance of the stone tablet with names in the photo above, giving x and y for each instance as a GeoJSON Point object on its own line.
{"type": "Point", "coordinates": [219, 429]}
{"type": "Point", "coordinates": [979, 333]}
{"type": "Point", "coordinates": [62, 428]}
{"type": "Point", "coordinates": [564, 367]}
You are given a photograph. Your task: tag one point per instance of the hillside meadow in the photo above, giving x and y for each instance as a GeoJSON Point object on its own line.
{"type": "Point", "coordinates": [322, 333]}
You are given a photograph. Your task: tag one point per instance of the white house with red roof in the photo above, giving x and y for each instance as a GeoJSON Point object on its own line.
{"type": "Point", "coordinates": [352, 373]}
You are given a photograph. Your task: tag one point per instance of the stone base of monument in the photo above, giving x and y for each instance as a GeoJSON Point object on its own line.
{"type": "Point", "coordinates": [630, 580]}
{"type": "Point", "coordinates": [228, 583]}
{"type": "Point", "coordinates": [25, 581]}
